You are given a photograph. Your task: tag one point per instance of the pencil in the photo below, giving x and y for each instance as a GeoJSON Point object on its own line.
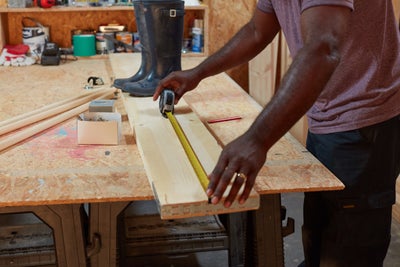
{"type": "Point", "coordinates": [225, 119]}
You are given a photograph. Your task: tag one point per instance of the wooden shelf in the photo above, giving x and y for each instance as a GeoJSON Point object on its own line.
{"type": "Point", "coordinates": [64, 9]}
{"type": "Point", "coordinates": [62, 20]}
{"type": "Point", "coordinates": [82, 8]}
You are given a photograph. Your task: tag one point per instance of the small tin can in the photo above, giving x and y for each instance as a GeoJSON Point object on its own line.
{"type": "Point", "coordinates": [104, 45]}
{"type": "Point", "coordinates": [197, 40]}
{"type": "Point", "coordinates": [101, 45]}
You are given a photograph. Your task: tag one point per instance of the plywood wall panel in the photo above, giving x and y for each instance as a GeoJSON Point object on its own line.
{"type": "Point", "coordinates": [226, 18]}
{"type": "Point", "coordinates": [263, 72]}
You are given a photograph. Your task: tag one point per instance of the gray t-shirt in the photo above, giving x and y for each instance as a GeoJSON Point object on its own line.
{"type": "Point", "coordinates": [365, 87]}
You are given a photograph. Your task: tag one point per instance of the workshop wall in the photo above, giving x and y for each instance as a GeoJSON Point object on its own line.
{"type": "Point", "coordinates": [225, 19]}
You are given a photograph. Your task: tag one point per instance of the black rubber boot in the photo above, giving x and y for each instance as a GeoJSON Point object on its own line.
{"type": "Point", "coordinates": [146, 64]}
{"type": "Point", "coordinates": [164, 26]}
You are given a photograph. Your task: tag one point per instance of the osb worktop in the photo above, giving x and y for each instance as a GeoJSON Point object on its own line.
{"type": "Point", "coordinates": [51, 168]}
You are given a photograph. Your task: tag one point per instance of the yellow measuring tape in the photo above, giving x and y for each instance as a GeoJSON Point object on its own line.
{"type": "Point", "coordinates": [198, 168]}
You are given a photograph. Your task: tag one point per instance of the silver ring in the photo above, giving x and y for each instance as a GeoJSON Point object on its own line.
{"type": "Point", "coordinates": [241, 175]}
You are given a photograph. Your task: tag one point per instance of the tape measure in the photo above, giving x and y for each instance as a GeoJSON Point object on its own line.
{"type": "Point", "coordinates": [194, 161]}
{"type": "Point", "coordinates": [166, 106]}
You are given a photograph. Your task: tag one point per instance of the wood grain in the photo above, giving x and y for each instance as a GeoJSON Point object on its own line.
{"type": "Point", "coordinates": [174, 182]}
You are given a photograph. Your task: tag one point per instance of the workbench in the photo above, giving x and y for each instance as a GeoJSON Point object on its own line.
{"type": "Point", "coordinates": [51, 176]}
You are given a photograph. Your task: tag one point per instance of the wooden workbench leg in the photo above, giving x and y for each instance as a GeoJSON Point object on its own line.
{"type": "Point", "coordinates": [236, 228]}
{"type": "Point", "coordinates": [67, 224]}
{"type": "Point", "coordinates": [103, 225]}
{"type": "Point", "coordinates": [266, 225]}
{"type": "Point", "coordinates": [68, 231]}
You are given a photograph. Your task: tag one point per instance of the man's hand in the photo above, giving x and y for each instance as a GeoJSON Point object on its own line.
{"type": "Point", "coordinates": [179, 81]}
{"type": "Point", "coordinates": [240, 160]}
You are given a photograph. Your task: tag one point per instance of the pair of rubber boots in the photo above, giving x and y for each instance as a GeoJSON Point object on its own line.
{"type": "Point", "coordinates": [160, 28]}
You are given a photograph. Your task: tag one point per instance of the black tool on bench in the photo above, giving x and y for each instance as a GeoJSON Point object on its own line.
{"type": "Point", "coordinates": [50, 55]}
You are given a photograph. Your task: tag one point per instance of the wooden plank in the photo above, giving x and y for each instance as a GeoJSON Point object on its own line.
{"type": "Point", "coordinates": [169, 171]}
{"type": "Point", "coordinates": [262, 73]}
{"type": "Point", "coordinates": [266, 70]}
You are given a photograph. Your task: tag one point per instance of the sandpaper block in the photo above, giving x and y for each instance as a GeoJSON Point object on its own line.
{"type": "Point", "coordinates": [102, 105]}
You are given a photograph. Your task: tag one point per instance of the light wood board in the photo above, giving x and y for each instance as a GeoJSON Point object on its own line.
{"type": "Point", "coordinates": [174, 182]}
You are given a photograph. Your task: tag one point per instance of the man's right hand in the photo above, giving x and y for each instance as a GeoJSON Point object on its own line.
{"type": "Point", "coordinates": [179, 81]}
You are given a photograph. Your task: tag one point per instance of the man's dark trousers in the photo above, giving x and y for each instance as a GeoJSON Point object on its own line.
{"type": "Point", "coordinates": [351, 227]}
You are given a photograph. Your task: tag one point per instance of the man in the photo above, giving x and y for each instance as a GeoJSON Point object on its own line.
{"type": "Point", "coordinates": [346, 75]}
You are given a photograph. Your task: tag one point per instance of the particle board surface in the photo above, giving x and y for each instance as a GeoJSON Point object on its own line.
{"type": "Point", "coordinates": [289, 166]}
{"type": "Point", "coordinates": [51, 168]}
